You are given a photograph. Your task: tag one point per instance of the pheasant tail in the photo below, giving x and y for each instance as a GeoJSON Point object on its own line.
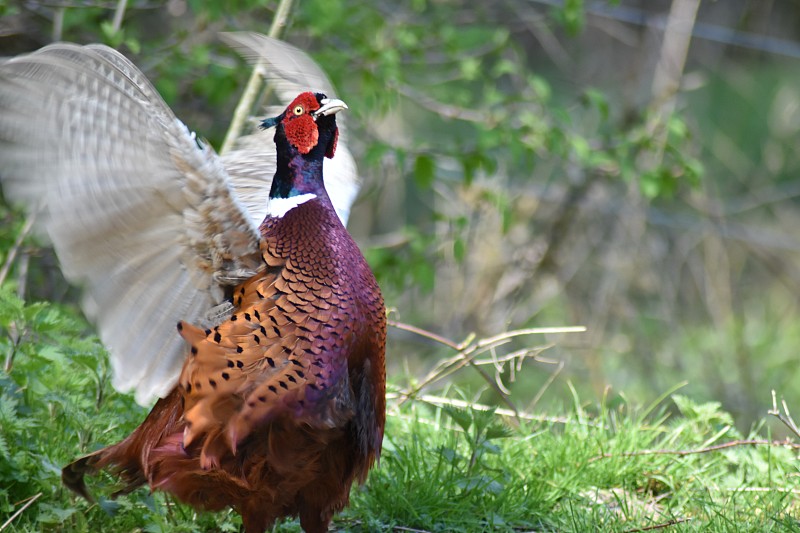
{"type": "Point", "coordinates": [130, 457]}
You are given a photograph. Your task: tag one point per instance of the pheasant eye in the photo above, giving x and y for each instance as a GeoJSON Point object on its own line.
{"type": "Point", "coordinates": [298, 110]}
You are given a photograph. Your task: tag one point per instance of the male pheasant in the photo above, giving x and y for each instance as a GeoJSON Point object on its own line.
{"type": "Point", "coordinates": [146, 218]}
{"type": "Point", "coordinates": [280, 403]}
{"type": "Point", "coordinates": [281, 407]}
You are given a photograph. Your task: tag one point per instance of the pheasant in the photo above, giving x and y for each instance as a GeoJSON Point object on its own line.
{"type": "Point", "coordinates": [280, 407]}
{"type": "Point", "coordinates": [279, 404]}
{"type": "Point", "coordinates": [131, 199]}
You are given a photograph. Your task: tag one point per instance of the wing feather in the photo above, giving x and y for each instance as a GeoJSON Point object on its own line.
{"type": "Point", "coordinates": [140, 213]}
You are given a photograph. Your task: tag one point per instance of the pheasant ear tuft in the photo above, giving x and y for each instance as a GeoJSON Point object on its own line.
{"type": "Point", "coordinates": [269, 122]}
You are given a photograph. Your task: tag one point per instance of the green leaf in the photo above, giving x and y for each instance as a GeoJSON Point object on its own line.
{"type": "Point", "coordinates": [461, 417]}
{"type": "Point", "coordinates": [650, 184]}
{"type": "Point", "coordinates": [375, 153]}
{"type": "Point", "coordinates": [572, 15]}
{"type": "Point", "coordinates": [424, 171]}
{"type": "Point", "coordinates": [598, 100]}
{"type": "Point", "coordinates": [51, 514]}
{"type": "Point", "coordinates": [133, 45]}
{"type": "Point", "coordinates": [168, 89]}
{"type": "Point", "coordinates": [707, 413]}
{"type": "Point", "coordinates": [541, 87]}
{"type": "Point", "coordinates": [504, 67]}
{"type": "Point", "coordinates": [450, 455]}
{"type": "Point", "coordinates": [581, 148]}
{"type": "Point", "coordinates": [459, 249]}
{"type": "Point", "coordinates": [470, 68]}
{"type": "Point", "coordinates": [111, 36]}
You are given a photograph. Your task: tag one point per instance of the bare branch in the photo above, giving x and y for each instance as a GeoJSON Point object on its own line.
{"type": "Point", "coordinates": [708, 449]}
{"type": "Point", "coordinates": [58, 23]}
{"type": "Point", "coordinates": [784, 417]}
{"type": "Point", "coordinates": [444, 110]}
{"type": "Point", "coordinates": [12, 253]}
{"type": "Point", "coordinates": [784, 490]}
{"type": "Point", "coordinates": [468, 349]}
{"type": "Point", "coordinates": [461, 404]}
{"type": "Point", "coordinates": [549, 381]}
{"type": "Point", "coordinates": [427, 334]}
{"type": "Point", "coordinates": [668, 523]}
{"type": "Point", "coordinates": [254, 83]}
{"type": "Point", "coordinates": [528, 331]}
{"type": "Point", "coordinates": [119, 14]}
{"type": "Point", "coordinates": [19, 511]}
{"type": "Point", "coordinates": [669, 71]}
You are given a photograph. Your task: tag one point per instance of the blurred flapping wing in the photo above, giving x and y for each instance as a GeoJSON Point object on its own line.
{"type": "Point", "coordinates": [141, 213]}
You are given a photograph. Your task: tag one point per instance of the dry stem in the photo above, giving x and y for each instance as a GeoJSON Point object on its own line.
{"type": "Point", "coordinates": [12, 253]}
{"type": "Point", "coordinates": [785, 417]}
{"type": "Point", "coordinates": [254, 83]}
{"type": "Point", "coordinates": [461, 404]}
{"type": "Point", "coordinates": [469, 348]}
{"type": "Point", "coordinates": [19, 511]}
{"type": "Point", "coordinates": [668, 523]}
{"type": "Point", "coordinates": [707, 449]}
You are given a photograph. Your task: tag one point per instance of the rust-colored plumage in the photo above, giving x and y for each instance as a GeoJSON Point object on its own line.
{"type": "Point", "coordinates": [281, 407]}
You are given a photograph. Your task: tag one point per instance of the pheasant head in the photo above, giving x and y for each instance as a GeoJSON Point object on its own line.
{"type": "Point", "coordinates": [305, 133]}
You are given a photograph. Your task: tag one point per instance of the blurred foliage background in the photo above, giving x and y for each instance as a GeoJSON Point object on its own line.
{"type": "Point", "coordinates": [625, 165]}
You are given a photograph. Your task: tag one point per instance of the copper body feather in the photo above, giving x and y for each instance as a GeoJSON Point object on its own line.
{"type": "Point", "coordinates": [281, 407]}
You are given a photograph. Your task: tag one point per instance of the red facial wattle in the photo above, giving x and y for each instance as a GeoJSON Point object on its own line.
{"type": "Point", "coordinates": [332, 145]}
{"type": "Point", "coordinates": [301, 132]}
{"type": "Point", "coordinates": [298, 124]}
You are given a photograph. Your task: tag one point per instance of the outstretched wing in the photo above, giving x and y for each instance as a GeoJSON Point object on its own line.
{"type": "Point", "coordinates": [288, 72]}
{"type": "Point", "coordinates": [139, 211]}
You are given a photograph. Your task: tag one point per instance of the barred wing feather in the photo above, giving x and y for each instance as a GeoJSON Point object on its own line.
{"type": "Point", "coordinates": [140, 214]}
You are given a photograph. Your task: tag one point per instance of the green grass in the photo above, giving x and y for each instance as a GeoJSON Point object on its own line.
{"type": "Point", "coordinates": [442, 469]}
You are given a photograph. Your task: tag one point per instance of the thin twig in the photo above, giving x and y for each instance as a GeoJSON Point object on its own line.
{"type": "Point", "coordinates": [12, 253]}
{"type": "Point", "coordinates": [254, 83]}
{"type": "Point", "coordinates": [14, 338]}
{"type": "Point", "coordinates": [506, 335]}
{"type": "Point", "coordinates": [786, 418]}
{"type": "Point", "coordinates": [468, 349]}
{"type": "Point", "coordinates": [452, 365]}
{"type": "Point", "coordinates": [537, 24]}
{"type": "Point", "coordinates": [19, 511]}
{"type": "Point", "coordinates": [58, 23]}
{"type": "Point", "coordinates": [22, 274]}
{"type": "Point", "coordinates": [499, 361]}
{"type": "Point", "coordinates": [493, 384]}
{"type": "Point", "coordinates": [119, 14]}
{"type": "Point", "coordinates": [442, 109]}
{"type": "Point", "coordinates": [549, 381]}
{"type": "Point", "coordinates": [462, 404]}
{"type": "Point", "coordinates": [708, 449]}
{"type": "Point", "coordinates": [409, 529]}
{"type": "Point", "coordinates": [669, 72]}
{"type": "Point", "coordinates": [668, 523]}
{"type": "Point", "coordinates": [427, 334]}
{"type": "Point", "coordinates": [785, 490]}
{"type": "Point", "coordinates": [350, 523]}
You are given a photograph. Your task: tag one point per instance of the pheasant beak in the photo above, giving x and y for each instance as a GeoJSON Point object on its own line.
{"type": "Point", "coordinates": [329, 106]}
